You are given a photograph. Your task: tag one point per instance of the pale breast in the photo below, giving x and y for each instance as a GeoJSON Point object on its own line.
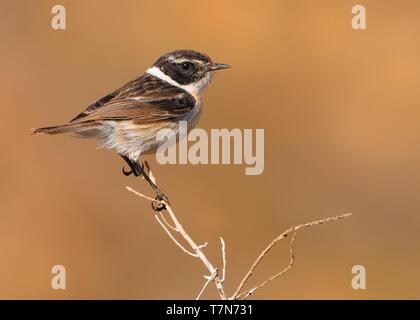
{"type": "Point", "coordinates": [128, 138]}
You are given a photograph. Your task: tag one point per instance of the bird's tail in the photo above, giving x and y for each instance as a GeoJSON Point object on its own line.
{"type": "Point", "coordinates": [78, 128]}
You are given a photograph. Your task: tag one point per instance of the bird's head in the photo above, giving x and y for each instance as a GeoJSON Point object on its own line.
{"type": "Point", "coordinates": [186, 68]}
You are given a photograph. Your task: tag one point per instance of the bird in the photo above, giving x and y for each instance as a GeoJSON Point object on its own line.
{"type": "Point", "coordinates": [128, 119]}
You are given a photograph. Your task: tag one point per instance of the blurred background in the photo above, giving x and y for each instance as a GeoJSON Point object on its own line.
{"type": "Point", "coordinates": [340, 109]}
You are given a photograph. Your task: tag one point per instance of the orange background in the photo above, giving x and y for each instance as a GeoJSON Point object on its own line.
{"type": "Point", "coordinates": [341, 113]}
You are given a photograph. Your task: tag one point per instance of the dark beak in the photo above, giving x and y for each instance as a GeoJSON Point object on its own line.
{"type": "Point", "coordinates": [218, 66]}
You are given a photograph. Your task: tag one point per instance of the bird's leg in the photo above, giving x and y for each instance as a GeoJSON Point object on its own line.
{"type": "Point", "coordinates": [131, 165]}
{"type": "Point", "coordinates": [160, 196]}
{"type": "Point", "coordinates": [138, 169]}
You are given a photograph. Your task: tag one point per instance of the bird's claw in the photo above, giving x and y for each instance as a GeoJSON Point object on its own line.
{"type": "Point", "coordinates": [158, 205]}
{"type": "Point", "coordinates": [127, 173]}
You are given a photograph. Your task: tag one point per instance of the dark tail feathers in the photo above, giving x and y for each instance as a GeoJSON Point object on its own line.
{"type": "Point", "coordinates": [66, 128]}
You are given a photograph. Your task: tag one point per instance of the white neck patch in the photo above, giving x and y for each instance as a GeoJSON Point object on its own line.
{"type": "Point", "coordinates": [195, 89]}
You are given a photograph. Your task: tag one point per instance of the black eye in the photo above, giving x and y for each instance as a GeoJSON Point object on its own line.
{"type": "Point", "coordinates": [186, 65]}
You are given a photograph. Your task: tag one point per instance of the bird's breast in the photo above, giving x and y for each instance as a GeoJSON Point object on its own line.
{"type": "Point", "coordinates": [132, 138]}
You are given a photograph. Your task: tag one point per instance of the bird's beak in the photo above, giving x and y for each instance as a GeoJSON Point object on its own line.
{"type": "Point", "coordinates": [218, 66]}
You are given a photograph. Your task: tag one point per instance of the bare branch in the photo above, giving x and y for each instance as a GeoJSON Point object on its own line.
{"type": "Point", "coordinates": [196, 248]}
{"type": "Point", "coordinates": [197, 251]}
{"type": "Point", "coordinates": [224, 259]}
{"type": "Point", "coordinates": [202, 246]}
{"type": "Point", "coordinates": [166, 222]}
{"type": "Point", "coordinates": [247, 293]}
{"type": "Point", "coordinates": [149, 172]}
{"type": "Point", "coordinates": [274, 242]}
{"type": "Point", "coordinates": [142, 195]}
{"type": "Point", "coordinates": [173, 239]}
{"type": "Point", "coordinates": [209, 279]}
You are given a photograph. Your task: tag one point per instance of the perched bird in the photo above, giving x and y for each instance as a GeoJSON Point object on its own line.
{"type": "Point", "coordinates": [128, 119]}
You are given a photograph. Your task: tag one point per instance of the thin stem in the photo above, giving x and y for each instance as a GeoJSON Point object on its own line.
{"type": "Point", "coordinates": [224, 259]}
{"type": "Point", "coordinates": [274, 242]}
{"type": "Point", "coordinates": [209, 279]}
{"type": "Point", "coordinates": [173, 239]}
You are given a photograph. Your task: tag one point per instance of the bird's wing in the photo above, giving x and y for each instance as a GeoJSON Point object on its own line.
{"type": "Point", "coordinates": [143, 110]}
{"type": "Point", "coordinates": [144, 99]}
{"type": "Point", "coordinates": [94, 106]}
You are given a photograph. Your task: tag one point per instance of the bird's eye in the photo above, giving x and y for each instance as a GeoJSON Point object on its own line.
{"type": "Point", "coordinates": [186, 65]}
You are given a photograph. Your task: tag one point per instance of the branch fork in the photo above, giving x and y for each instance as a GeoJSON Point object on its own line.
{"type": "Point", "coordinates": [174, 227]}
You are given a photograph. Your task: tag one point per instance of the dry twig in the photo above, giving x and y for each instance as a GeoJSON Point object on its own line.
{"type": "Point", "coordinates": [178, 228]}
{"type": "Point", "coordinates": [247, 293]}
{"type": "Point", "coordinates": [198, 253]}
{"type": "Point", "coordinates": [209, 279]}
{"type": "Point", "coordinates": [173, 239]}
{"type": "Point", "coordinates": [224, 259]}
{"type": "Point", "coordinates": [273, 243]}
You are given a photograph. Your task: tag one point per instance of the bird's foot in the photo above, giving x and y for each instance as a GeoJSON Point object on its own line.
{"type": "Point", "coordinates": [137, 171]}
{"type": "Point", "coordinates": [158, 205]}
{"type": "Point", "coordinates": [127, 173]}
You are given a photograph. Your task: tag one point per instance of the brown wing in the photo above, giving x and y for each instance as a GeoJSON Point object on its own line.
{"type": "Point", "coordinates": [143, 110]}
{"type": "Point", "coordinates": [146, 98]}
